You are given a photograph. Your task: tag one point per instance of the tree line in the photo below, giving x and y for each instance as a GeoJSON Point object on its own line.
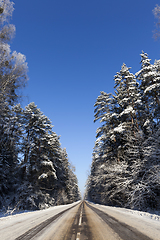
{"type": "Point", "coordinates": [125, 168]}
{"type": "Point", "coordinates": [35, 172]}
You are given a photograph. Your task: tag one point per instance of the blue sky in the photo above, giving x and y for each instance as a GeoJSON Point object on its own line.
{"type": "Point", "coordinates": [73, 49]}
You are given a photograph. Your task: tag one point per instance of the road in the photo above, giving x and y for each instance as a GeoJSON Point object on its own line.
{"type": "Point", "coordinates": [80, 221]}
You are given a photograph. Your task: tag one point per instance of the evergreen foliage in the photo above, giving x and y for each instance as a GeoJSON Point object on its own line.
{"type": "Point", "coordinates": [13, 76]}
{"type": "Point", "coordinates": [126, 159]}
{"type": "Point", "coordinates": [34, 170]}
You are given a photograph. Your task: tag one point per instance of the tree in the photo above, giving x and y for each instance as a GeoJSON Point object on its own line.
{"type": "Point", "coordinates": [39, 150]}
{"type": "Point", "coordinates": [145, 193]}
{"type": "Point", "coordinates": [45, 174]}
{"type": "Point", "coordinates": [67, 191]}
{"type": "Point", "coordinates": [149, 77]}
{"type": "Point", "coordinates": [33, 167]}
{"type": "Point", "coordinates": [13, 66]}
{"type": "Point", "coordinates": [10, 148]}
{"type": "Point", "coordinates": [125, 164]}
{"type": "Point", "coordinates": [13, 75]}
{"type": "Point", "coordinates": [127, 138]}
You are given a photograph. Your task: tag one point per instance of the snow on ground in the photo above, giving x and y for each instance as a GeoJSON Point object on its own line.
{"type": "Point", "coordinates": [147, 223]}
{"type": "Point", "coordinates": [10, 214]}
{"type": "Point", "coordinates": [153, 216]}
{"type": "Point", "coordinates": [13, 226]}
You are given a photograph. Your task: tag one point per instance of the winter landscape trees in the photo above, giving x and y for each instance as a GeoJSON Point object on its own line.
{"type": "Point", "coordinates": [125, 168]}
{"type": "Point", "coordinates": [34, 170]}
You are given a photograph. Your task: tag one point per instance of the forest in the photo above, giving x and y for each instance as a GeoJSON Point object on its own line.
{"type": "Point", "coordinates": [35, 172]}
{"type": "Point", "coordinates": [125, 168]}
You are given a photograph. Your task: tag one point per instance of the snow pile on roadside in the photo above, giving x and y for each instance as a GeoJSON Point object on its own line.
{"type": "Point", "coordinates": [11, 213]}
{"type": "Point", "coordinates": [145, 222]}
{"type": "Point", "coordinates": [153, 216]}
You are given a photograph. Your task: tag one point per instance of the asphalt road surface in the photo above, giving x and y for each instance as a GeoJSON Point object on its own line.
{"type": "Point", "coordinates": [82, 221]}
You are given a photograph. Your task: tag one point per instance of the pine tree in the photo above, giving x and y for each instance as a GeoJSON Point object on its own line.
{"type": "Point", "coordinates": [68, 191]}
{"type": "Point", "coordinates": [39, 148]}
{"type": "Point", "coordinates": [149, 93]}
{"type": "Point", "coordinates": [125, 166]}
{"type": "Point", "coordinates": [9, 154]}
{"type": "Point", "coordinates": [33, 167]}
{"type": "Point", "coordinates": [104, 145]}
{"type": "Point", "coordinates": [155, 92]}
{"type": "Point", "coordinates": [145, 193]}
{"type": "Point", "coordinates": [13, 75]}
{"type": "Point", "coordinates": [45, 173]}
{"type": "Point", "coordinates": [127, 137]}
{"type": "Point", "coordinates": [117, 152]}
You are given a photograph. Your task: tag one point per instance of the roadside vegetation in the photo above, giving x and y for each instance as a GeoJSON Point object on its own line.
{"type": "Point", "coordinates": [35, 172]}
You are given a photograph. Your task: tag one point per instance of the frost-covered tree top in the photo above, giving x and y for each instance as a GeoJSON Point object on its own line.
{"type": "Point", "coordinates": [102, 106]}
{"type": "Point", "coordinates": [127, 93]}
{"type": "Point", "coordinates": [6, 10]}
{"type": "Point", "coordinates": [125, 165]}
{"type": "Point", "coordinates": [149, 77]}
{"type": "Point", "coordinates": [6, 30]}
{"type": "Point", "coordinates": [13, 66]}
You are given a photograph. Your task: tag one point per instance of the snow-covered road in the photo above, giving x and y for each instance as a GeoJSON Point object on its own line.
{"type": "Point", "coordinates": [81, 221]}
{"type": "Point", "coordinates": [146, 223]}
{"type": "Point", "coordinates": [11, 227]}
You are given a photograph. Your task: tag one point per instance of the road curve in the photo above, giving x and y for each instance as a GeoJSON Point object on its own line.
{"type": "Point", "coordinates": [81, 221]}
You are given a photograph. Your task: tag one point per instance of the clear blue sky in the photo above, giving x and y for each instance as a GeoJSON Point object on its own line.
{"type": "Point", "coordinates": [73, 50]}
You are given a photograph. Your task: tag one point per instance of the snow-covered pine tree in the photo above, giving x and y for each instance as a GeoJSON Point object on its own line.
{"type": "Point", "coordinates": [145, 194]}
{"type": "Point", "coordinates": [151, 178]}
{"type": "Point", "coordinates": [68, 191]}
{"type": "Point", "coordinates": [39, 150]}
{"type": "Point", "coordinates": [128, 104]}
{"type": "Point", "coordinates": [9, 154]}
{"type": "Point", "coordinates": [44, 169]}
{"type": "Point", "coordinates": [117, 149]}
{"type": "Point", "coordinates": [13, 75]}
{"type": "Point", "coordinates": [103, 112]}
{"type": "Point", "coordinates": [155, 92]}
{"type": "Point", "coordinates": [149, 89]}
{"type": "Point", "coordinates": [63, 178]}
{"type": "Point", "coordinates": [125, 166]}
{"type": "Point", "coordinates": [29, 150]}
{"type": "Point", "coordinates": [129, 135]}
{"type": "Point", "coordinates": [72, 185]}
{"type": "Point", "coordinates": [103, 149]}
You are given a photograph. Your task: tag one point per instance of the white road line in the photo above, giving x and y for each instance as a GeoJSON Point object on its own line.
{"type": "Point", "coordinates": [80, 220]}
{"type": "Point", "coordinates": [78, 236]}
{"type": "Point", "coordinates": [80, 223]}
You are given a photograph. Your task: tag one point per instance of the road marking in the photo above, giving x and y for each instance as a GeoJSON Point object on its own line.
{"type": "Point", "coordinates": [80, 223]}
{"type": "Point", "coordinates": [78, 236]}
{"type": "Point", "coordinates": [80, 219]}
